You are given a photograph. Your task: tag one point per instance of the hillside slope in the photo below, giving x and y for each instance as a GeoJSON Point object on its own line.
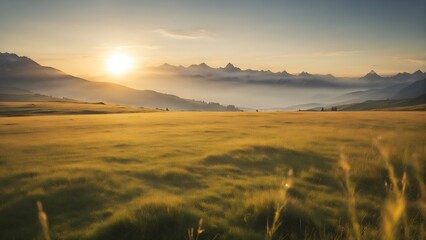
{"type": "Point", "coordinates": [384, 104]}
{"type": "Point", "coordinates": [415, 89]}
{"type": "Point", "coordinates": [12, 94]}
{"type": "Point", "coordinates": [19, 102]}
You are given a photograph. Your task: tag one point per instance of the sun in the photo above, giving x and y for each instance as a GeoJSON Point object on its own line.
{"type": "Point", "coordinates": [119, 63]}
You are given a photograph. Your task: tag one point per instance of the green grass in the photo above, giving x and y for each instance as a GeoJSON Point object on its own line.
{"type": "Point", "coordinates": [154, 175]}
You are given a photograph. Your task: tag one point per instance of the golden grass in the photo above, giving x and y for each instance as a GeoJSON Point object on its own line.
{"type": "Point", "coordinates": [42, 217]}
{"type": "Point", "coordinates": [272, 229]}
{"type": "Point", "coordinates": [395, 204]}
{"type": "Point", "coordinates": [350, 192]}
{"type": "Point", "coordinates": [129, 176]}
{"type": "Point", "coordinates": [61, 108]}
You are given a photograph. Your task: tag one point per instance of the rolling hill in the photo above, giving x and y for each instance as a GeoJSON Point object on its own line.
{"type": "Point", "coordinates": [383, 104]}
{"type": "Point", "coordinates": [24, 73]}
{"type": "Point", "coordinates": [12, 94]}
{"type": "Point", "coordinates": [20, 102]}
{"type": "Point", "coordinates": [407, 104]}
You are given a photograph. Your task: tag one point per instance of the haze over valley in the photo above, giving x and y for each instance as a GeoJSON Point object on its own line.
{"type": "Point", "coordinates": [160, 87]}
{"type": "Point", "coordinates": [260, 89]}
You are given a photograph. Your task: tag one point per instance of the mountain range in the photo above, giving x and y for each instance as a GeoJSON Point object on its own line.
{"type": "Point", "coordinates": [24, 73]}
{"type": "Point", "coordinates": [267, 90]}
{"type": "Point", "coordinates": [303, 79]}
{"type": "Point", "coordinates": [248, 89]}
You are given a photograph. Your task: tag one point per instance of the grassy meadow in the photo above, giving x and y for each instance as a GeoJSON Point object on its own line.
{"type": "Point", "coordinates": [154, 175]}
{"type": "Point", "coordinates": [29, 108]}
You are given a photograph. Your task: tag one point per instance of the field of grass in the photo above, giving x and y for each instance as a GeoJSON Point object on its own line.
{"type": "Point", "coordinates": [420, 107]}
{"type": "Point", "coordinates": [154, 175]}
{"type": "Point", "coordinates": [65, 107]}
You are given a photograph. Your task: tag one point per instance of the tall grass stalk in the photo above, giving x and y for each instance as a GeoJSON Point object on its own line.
{"type": "Point", "coordinates": [418, 173]}
{"type": "Point", "coordinates": [271, 229]}
{"type": "Point", "coordinates": [42, 217]}
{"type": "Point", "coordinates": [350, 193]}
{"type": "Point", "coordinates": [200, 230]}
{"type": "Point", "coordinates": [395, 204]}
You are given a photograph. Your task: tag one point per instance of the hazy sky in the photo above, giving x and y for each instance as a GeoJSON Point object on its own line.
{"type": "Point", "coordinates": [341, 37]}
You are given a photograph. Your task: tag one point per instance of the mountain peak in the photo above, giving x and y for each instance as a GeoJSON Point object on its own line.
{"type": "Point", "coordinates": [403, 73]}
{"type": "Point", "coordinates": [305, 74]}
{"type": "Point", "coordinates": [229, 65]}
{"type": "Point", "coordinates": [166, 65]}
{"type": "Point", "coordinates": [231, 68]}
{"type": "Point", "coordinates": [6, 54]}
{"type": "Point", "coordinates": [417, 72]}
{"type": "Point", "coordinates": [200, 66]}
{"type": "Point", "coordinates": [204, 65]}
{"type": "Point", "coordinates": [12, 58]}
{"type": "Point", "coordinates": [372, 75]}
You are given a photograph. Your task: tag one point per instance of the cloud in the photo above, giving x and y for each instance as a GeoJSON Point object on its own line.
{"type": "Point", "coordinates": [185, 34]}
{"type": "Point", "coordinates": [419, 60]}
{"type": "Point", "coordinates": [337, 53]}
{"type": "Point", "coordinates": [151, 46]}
{"type": "Point", "coordinates": [130, 46]}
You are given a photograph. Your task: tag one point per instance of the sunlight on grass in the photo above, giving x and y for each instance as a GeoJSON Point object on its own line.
{"type": "Point", "coordinates": [132, 176]}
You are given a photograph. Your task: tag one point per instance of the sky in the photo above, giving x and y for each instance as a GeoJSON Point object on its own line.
{"type": "Point", "coordinates": [341, 37]}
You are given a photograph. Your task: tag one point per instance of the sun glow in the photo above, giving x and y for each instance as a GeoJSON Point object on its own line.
{"type": "Point", "coordinates": [119, 63]}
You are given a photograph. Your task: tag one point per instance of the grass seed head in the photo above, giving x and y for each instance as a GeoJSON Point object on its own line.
{"type": "Point", "coordinates": [200, 227]}
{"type": "Point", "coordinates": [42, 216]}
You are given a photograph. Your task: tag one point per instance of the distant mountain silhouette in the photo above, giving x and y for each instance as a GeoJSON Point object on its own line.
{"type": "Point", "coordinates": [305, 74]}
{"type": "Point", "coordinates": [201, 66]}
{"type": "Point", "coordinates": [418, 74]}
{"type": "Point", "coordinates": [371, 94]}
{"type": "Point", "coordinates": [24, 73]}
{"type": "Point", "coordinates": [400, 77]}
{"type": "Point", "coordinates": [231, 68]}
{"type": "Point", "coordinates": [231, 73]}
{"type": "Point", "coordinates": [265, 89]}
{"type": "Point", "coordinates": [406, 89]}
{"type": "Point", "coordinates": [382, 97]}
{"type": "Point", "coordinates": [168, 67]}
{"type": "Point", "coordinates": [371, 76]}
{"type": "Point", "coordinates": [403, 76]}
{"type": "Point", "coordinates": [415, 89]}
{"type": "Point", "coordinates": [286, 74]}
